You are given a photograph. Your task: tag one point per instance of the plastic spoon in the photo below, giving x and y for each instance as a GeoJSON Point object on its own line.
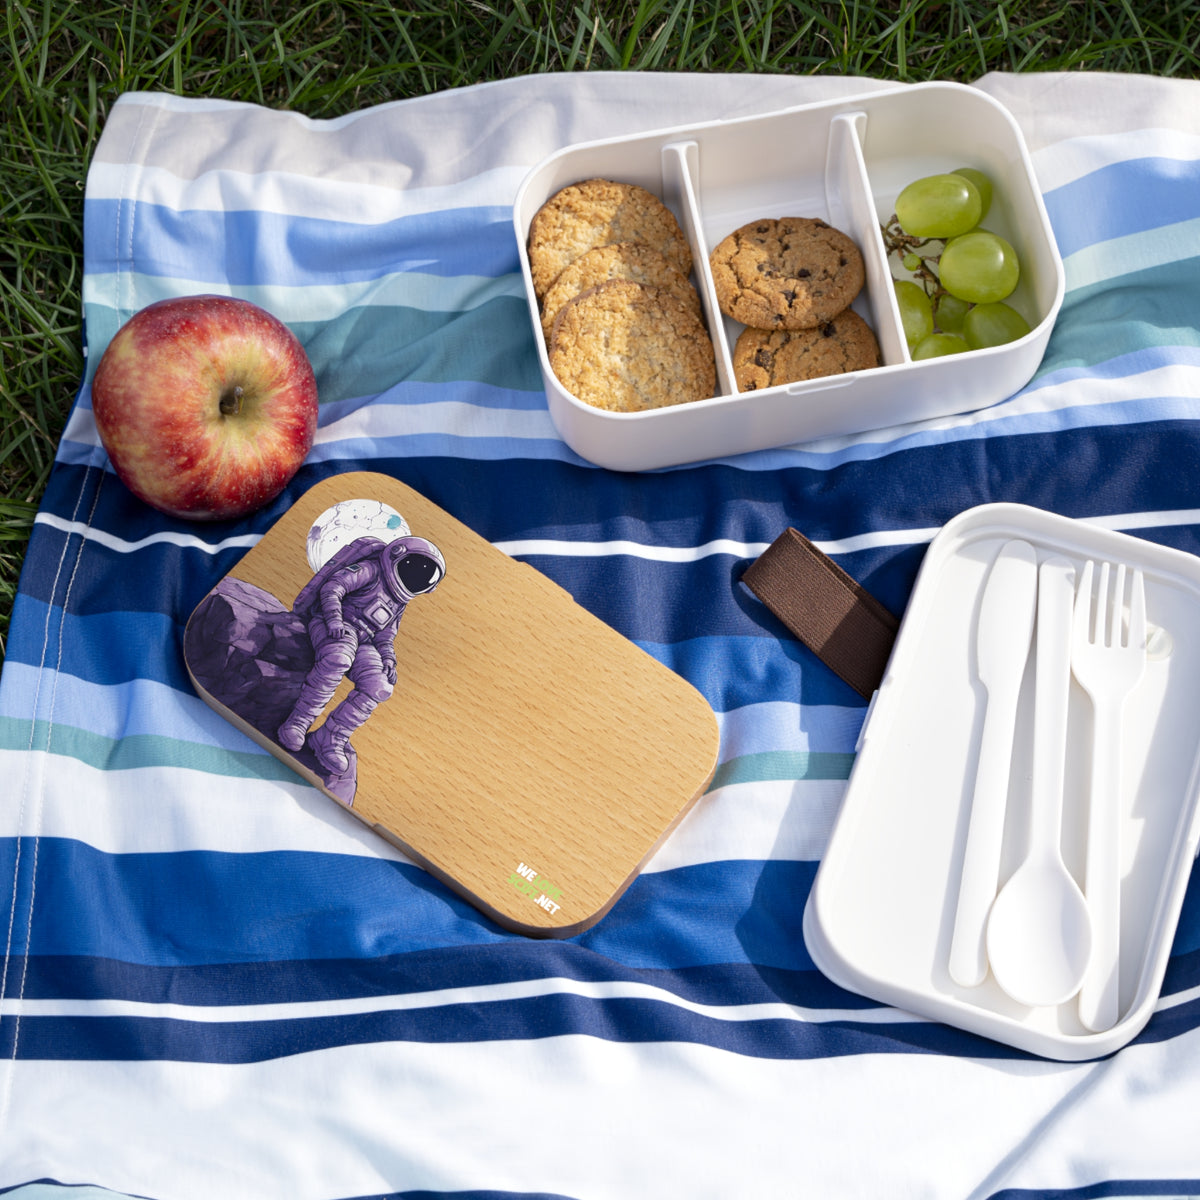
{"type": "Point", "coordinates": [1039, 935]}
{"type": "Point", "coordinates": [1002, 638]}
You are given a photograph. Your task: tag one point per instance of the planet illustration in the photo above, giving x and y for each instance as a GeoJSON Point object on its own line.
{"type": "Point", "coordinates": [348, 520]}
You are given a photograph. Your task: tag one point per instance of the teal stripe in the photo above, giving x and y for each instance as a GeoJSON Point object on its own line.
{"type": "Point", "coordinates": [139, 750]}
{"type": "Point", "coordinates": [368, 350]}
{"type": "Point", "coordinates": [1142, 310]}
{"type": "Point", "coordinates": [783, 764]}
{"type": "Point", "coordinates": [365, 351]}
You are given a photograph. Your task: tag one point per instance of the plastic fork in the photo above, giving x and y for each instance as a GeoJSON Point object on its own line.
{"type": "Point", "coordinates": [1108, 660]}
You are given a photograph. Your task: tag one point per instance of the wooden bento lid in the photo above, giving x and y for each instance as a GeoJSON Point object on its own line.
{"type": "Point", "coordinates": [528, 756]}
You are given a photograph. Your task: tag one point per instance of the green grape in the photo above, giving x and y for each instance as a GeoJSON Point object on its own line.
{"type": "Point", "coordinates": [993, 325]}
{"type": "Point", "coordinates": [939, 206]}
{"type": "Point", "coordinates": [979, 267]}
{"type": "Point", "coordinates": [916, 312]}
{"type": "Point", "coordinates": [937, 345]}
{"type": "Point", "coordinates": [949, 313]}
{"type": "Point", "coordinates": [912, 262]}
{"type": "Point", "coordinates": [983, 185]}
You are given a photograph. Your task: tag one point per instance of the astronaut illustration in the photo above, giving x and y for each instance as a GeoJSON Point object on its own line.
{"type": "Point", "coordinates": [352, 608]}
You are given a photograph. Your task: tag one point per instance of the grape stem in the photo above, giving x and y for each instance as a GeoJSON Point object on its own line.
{"type": "Point", "coordinates": [905, 245]}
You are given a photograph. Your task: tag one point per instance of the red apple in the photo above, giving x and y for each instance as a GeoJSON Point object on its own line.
{"type": "Point", "coordinates": [206, 405]}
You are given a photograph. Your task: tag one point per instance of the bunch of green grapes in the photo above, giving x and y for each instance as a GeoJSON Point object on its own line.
{"type": "Point", "coordinates": [962, 272]}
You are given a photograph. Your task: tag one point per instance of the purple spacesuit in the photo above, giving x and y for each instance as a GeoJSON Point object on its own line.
{"type": "Point", "coordinates": [352, 607]}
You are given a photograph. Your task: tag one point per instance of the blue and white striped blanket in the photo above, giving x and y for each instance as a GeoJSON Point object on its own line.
{"type": "Point", "coordinates": [216, 984]}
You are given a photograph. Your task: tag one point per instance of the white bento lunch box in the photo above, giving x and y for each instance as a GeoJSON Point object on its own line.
{"type": "Point", "coordinates": [881, 914]}
{"type": "Point", "coordinates": [844, 162]}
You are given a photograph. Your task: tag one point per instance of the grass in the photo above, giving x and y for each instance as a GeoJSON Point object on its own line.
{"type": "Point", "coordinates": [64, 62]}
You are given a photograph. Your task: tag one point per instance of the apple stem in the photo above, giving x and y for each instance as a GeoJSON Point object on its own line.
{"type": "Point", "coordinates": [231, 401]}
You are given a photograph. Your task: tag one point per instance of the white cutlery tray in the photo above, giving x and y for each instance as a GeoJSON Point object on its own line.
{"type": "Point", "coordinates": [844, 162]}
{"type": "Point", "coordinates": [881, 913]}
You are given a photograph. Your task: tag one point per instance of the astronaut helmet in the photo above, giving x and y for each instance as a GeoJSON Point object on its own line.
{"type": "Point", "coordinates": [412, 567]}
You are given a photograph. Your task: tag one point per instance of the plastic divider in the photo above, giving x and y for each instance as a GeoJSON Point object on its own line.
{"type": "Point", "coordinates": [681, 187]}
{"type": "Point", "coordinates": [848, 196]}
{"type": "Point", "coordinates": [851, 207]}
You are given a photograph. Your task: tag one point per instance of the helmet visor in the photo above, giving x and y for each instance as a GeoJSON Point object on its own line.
{"type": "Point", "coordinates": [418, 573]}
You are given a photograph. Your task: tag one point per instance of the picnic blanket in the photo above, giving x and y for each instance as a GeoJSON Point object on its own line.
{"type": "Point", "coordinates": [215, 983]}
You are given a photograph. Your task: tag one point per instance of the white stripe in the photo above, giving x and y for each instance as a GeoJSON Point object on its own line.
{"type": "Point", "coordinates": [556, 548]}
{"type": "Point", "coordinates": [166, 538]}
{"type": "Point", "coordinates": [774, 820]}
{"type": "Point", "coordinates": [1075, 158]}
{"type": "Point", "coordinates": [1029, 410]}
{"type": "Point", "coordinates": [584, 1116]}
{"type": "Point", "coordinates": [300, 303]}
{"type": "Point", "coordinates": [449, 418]}
{"type": "Point", "coordinates": [552, 547]}
{"type": "Point", "coordinates": [1147, 520]}
{"type": "Point", "coordinates": [499, 993]}
{"type": "Point", "coordinates": [190, 105]}
{"type": "Point", "coordinates": [685, 554]}
{"type": "Point", "coordinates": [166, 809]}
{"type": "Point", "coordinates": [299, 195]}
{"type": "Point", "coordinates": [1176, 999]}
{"type": "Point", "coordinates": [152, 810]}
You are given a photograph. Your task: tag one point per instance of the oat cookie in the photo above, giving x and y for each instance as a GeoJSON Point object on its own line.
{"type": "Point", "coordinates": [625, 347]}
{"type": "Point", "coordinates": [620, 260]}
{"type": "Point", "coordinates": [764, 358]}
{"type": "Point", "coordinates": [786, 273]}
{"type": "Point", "coordinates": [595, 213]}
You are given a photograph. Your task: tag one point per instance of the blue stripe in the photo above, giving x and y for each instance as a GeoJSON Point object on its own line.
{"type": "Point", "coordinates": [312, 906]}
{"type": "Point", "coordinates": [1175, 1189]}
{"type": "Point", "coordinates": [308, 905]}
{"type": "Point", "coordinates": [103, 648]}
{"type": "Point", "coordinates": [619, 1019]}
{"type": "Point", "coordinates": [1076, 472]}
{"type": "Point", "coordinates": [730, 672]}
{"type": "Point", "coordinates": [1059, 366]}
{"type": "Point", "coordinates": [506, 500]}
{"type": "Point", "coordinates": [120, 647]}
{"type": "Point", "coordinates": [124, 710]}
{"type": "Point", "coordinates": [1123, 198]}
{"type": "Point", "coordinates": [626, 1019]}
{"type": "Point", "coordinates": [446, 445]}
{"type": "Point", "coordinates": [245, 247]}
{"type": "Point", "coordinates": [509, 960]}
{"type": "Point", "coordinates": [629, 1021]}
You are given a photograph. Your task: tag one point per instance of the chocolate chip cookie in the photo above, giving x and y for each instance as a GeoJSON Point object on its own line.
{"type": "Point", "coordinates": [786, 273]}
{"type": "Point", "coordinates": [765, 358]}
{"type": "Point", "coordinates": [595, 213]}
{"type": "Point", "coordinates": [625, 347]}
{"type": "Point", "coordinates": [621, 260]}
